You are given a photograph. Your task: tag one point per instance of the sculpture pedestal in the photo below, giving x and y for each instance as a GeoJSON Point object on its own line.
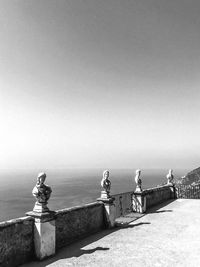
{"type": "Point", "coordinates": [139, 202]}
{"type": "Point", "coordinates": [40, 207]}
{"type": "Point", "coordinates": [110, 212]}
{"type": "Point", "coordinates": [173, 190]}
{"type": "Point", "coordinates": [138, 189]}
{"type": "Point", "coordinates": [44, 233]}
{"type": "Point", "coordinates": [105, 195]}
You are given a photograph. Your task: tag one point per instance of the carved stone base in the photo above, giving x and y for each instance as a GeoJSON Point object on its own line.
{"type": "Point", "coordinates": [40, 207]}
{"type": "Point", "coordinates": [138, 189]}
{"type": "Point", "coordinates": [105, 195]}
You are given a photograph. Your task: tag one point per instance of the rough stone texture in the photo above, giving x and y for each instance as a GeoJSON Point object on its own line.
{"type": "Point", "coordinates": [16, 241]}
{"type": "Point", "coordinates": [158, 195]}
{"type": "Point", "coordinates": [168, 236]}
{"type": "Point", "coordinates": [123, 203]}
{"type": "Point", "coordinates": [75, 223]}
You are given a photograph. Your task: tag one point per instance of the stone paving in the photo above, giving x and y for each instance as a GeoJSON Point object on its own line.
{"type": "Point", "coordinates": [169, 235]}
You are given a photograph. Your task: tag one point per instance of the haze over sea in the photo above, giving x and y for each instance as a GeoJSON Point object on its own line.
{"type": "Point", "coordinates": [71, 187]}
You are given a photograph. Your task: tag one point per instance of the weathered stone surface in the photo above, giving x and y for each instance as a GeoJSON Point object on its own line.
{"type": "Point", "coordinates": [42, 193]}
{"type": "Point", "coordinates": [44, 239]}
{"type": "Point", "coordinates": [16, 242]}
{"type": "Point", "coordinates": [75, 223]}
{"type": "Point", "coordinates": [157, 195]}
{"type": "Point", "coordinates": [123, 203]}
{"type": "Point", "coordinates": [139, 202]}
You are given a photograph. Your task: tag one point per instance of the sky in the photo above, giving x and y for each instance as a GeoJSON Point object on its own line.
{"type": "Point", "coordinates": [109, 84]}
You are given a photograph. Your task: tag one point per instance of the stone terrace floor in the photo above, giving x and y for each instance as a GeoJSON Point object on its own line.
{"type": "Point", "coordinates": [169, 235]}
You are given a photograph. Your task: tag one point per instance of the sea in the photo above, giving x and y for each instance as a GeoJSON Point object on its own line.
{"type": "Point", "coordinates": [70, 187]}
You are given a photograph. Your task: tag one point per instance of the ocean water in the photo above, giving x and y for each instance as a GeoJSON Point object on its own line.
{"type": "Point", "coordinates": [69, 187]}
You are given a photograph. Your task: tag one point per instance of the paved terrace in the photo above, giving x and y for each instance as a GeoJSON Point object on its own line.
{"type": "Point", "coordinates": [168, 235]}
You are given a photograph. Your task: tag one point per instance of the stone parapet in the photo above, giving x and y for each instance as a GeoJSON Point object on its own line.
{"type": "Point", "coordinates": [16, 241]}
{"type": "Point", "coordinates": [78, 222]}
{"type": "Point", "coordinates": [158, 195]}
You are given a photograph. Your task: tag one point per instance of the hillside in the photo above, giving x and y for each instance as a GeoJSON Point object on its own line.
{"type": "Point", "coordinates": [192, 177]}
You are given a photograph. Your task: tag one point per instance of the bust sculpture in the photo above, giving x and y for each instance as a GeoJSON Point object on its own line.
{"type": "Point", "coordinates": [170, 177]}
{"type": "Point", "coordinates": [138, 181]}
{"type": "Point", "coordinates": [106, 185]}
{"type": "Point", "coordinates": [42, 193]}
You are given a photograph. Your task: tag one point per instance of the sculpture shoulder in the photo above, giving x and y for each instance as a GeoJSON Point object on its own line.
{"type": "Point", "coordinates": [102, 181]}
{"type": "Point", "coordinates": [35, 190]}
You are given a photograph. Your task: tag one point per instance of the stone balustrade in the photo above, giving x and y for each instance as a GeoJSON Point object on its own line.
{"type": "Point", "coordinates": [42, 232]}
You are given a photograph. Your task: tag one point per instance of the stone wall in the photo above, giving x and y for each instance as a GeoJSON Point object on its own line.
{"type": "Point", "coordinates": [75, 223]}
{"type": "Point", "coordinates": [123, 203]}
{"type": "Point", "coordinates": [158, 195]}
{"type": "Point", "coordinates": [16, 241]}
{"type": "Point", "coordinates": [71, 224]}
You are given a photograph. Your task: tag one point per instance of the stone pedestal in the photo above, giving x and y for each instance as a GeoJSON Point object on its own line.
{"type": "Point", "coordinates": [138, 189]}
{"type": "Point", "coordinates": [44, 234]}
{"type": "Point", "coordinates": [110, 211]}
{"type": "Point", "coordinates": [173, 191]}
{"type": "Point", "coordinates": [40, 207]}
{"type": "Point", "coordinates": [139, 202]}
{"type": "Point", "coordinates": [105, 195]}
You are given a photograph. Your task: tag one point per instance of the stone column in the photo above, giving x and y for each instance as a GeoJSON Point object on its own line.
{"type": "Point", "coordinates": [44, 234]}
{"type": "Point", "coordinates": [108, 201]}
{"type": "Point", "coordinates": [44, 227]}
{"type": "Point", "coordinates": [110, 212]}
{"type": "Point", "coordinates": [139, 202]}
{"type": "Point", "coordinates": [173, 191]}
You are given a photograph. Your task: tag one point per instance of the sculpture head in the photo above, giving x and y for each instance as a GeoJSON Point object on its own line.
{"type": "Point", "coordinates": [106, 174]}
{"type": "Point", "coordinates": [170, 171]}
{"type": "Point", "coordinates": [41, 178]}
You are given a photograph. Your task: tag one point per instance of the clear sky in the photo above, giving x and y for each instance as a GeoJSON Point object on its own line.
{"type": "Point", "coordinates": [100, 83]}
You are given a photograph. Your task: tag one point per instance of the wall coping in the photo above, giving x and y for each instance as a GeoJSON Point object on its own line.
{"type": "Point", "coordinates": [157, 188]}
{"type": "Point", "coordinates": [15, 221]}
{"type": "Point", "coordinates": [124, 193]}
{"type": "Point", "coordinates": [84, 206]}
{"type": "Point", "coordinates": [146, 191]}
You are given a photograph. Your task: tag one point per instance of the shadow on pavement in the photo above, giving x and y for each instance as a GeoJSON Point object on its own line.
{"type": "Point", "coordinates": [77, 249]}
{"type": "Point", "coordinates": [132, 225]}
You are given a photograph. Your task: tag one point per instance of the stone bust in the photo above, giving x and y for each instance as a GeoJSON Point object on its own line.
{"type": "Point", "coordinates": [138, 181]}
{"type": "Point", "coordinates": [170, 177]}
{"type": "Point", "coordinates": [41, 192]}
{"type": "Point", "coordinates": [105, 182]}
